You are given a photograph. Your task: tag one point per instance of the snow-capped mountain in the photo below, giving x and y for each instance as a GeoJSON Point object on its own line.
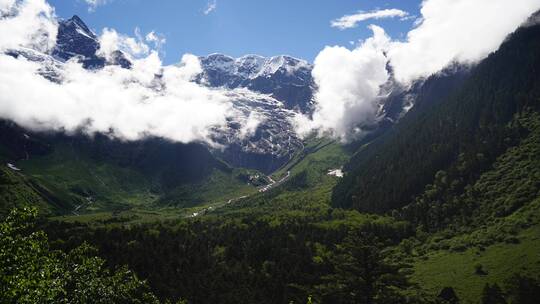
{"type": "Point", "coordinates": [270, 89]}
{"type": "Point", "coordinates": [285, 78]}
{"type": "Point", "coordinates": [255, 85]}
{"type": "Point", "coordinates": [266, 92]}
{"type": "Point", "coordinates": [75, 39]}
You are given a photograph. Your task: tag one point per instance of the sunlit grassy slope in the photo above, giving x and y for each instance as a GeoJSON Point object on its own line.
{"type": "Point", "coordinates": [307, 190]}
{"type": "Point", "coordinates": [70, 181]}
{"type": "Point", "coordinates": [502, 235]}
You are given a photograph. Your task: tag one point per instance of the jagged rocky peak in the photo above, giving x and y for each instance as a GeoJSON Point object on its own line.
{"type": "Point", "coordinates": [78, 25]}
{"type": "Point", "coordinates": [267, 147]}
{"type": "Point", "coordinates": [74, 38]}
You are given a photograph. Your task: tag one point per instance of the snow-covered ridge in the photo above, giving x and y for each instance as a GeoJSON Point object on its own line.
{"type": "Point", "coordinates": [285, 78]}
{"type": "Point", "coordinates": [253, 66]}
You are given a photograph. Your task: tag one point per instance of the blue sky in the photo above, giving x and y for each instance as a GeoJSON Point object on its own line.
{"type": "Point", "coordinates": [300, 28]}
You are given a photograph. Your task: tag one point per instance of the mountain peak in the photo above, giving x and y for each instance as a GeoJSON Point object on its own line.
{"type": "Point", "coordinates": [74, 38]}
{"type": "Point", "coordinates": [76, 18]}
{"type": "Point", "coordinates": [219, 56]}
{"type": "Point", "coordinates": [77, 23]}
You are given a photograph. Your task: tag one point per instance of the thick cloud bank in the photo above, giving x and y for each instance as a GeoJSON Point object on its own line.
{"type": "Point", "coordinates": [448, 31]}
{"type": "Point", "coordinates": [27, 23]}
{"type": "Point", "coordinates": [348, 83]}
{"type": "Point", "coordinates": [456, 30]}
{"type": "Point", "coordinates": [147, 100]}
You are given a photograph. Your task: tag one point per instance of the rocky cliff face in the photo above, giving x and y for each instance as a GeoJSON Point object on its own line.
{"type": "Point", "coordinates": [270, 145]}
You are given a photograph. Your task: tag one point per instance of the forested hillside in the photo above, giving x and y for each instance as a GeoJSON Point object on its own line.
{"type": "Point", "coordinates": [462, 133]}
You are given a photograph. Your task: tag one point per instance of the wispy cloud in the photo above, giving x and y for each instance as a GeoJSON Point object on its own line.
{"type": "Point", "coordinates": [157, 39]}
{"type": "Point", "coordinates": [93, 4]}
{"type": "Point", "coordinates": [350, 21]}
{"type": "Point", "coordinates": [210, 7]}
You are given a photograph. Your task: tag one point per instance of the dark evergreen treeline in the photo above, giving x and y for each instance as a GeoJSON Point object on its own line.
{"type": "Point", "coordinates": [251, 260]}
{"type": "Point", "coordinates": [271, 259]}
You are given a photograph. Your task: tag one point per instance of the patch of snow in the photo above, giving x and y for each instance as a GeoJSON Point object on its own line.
{"type": "Point", "coordinates": [273, 65]}
{"type": "Point", "coordinates": [81, 27]}
{"type": "Point", "coordinates": [408, 104]}
{"type": "Point", "coordinates": [335, 172]}
{"type": "Point", "coordinates": [84, 33]}
{"type": "Point", "coordinates": [12, 167]}
{"type": "Point", "coordinates": [288, 63]}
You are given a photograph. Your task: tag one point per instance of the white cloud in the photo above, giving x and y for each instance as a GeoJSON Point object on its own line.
{"type": "Point", "coordinates": [456, 30]}
{"type": "Point", "coordinates": [93, 4]}
{"type": "Point", "coordinates": [156, 39]}
{"type": "Point", "coordinates": [350, 21]}
{"type": "Point", "coordinates": [251, 123]}
{"type": "Point", "coordinates": [210, 7]}
{"type": "Point", "coordinates": [147, 100]}
{"type": "Point", "coordinates": [34, 26]}
{"type": "Point", "coordinates": [5, 5]}
{"type": "Point", "coordinates": [110, 41]}
{"type": "Point", "coordinates": [113, 101]}
{"type": "Point", "coordinates": [462, 31]}
{"type": "Point", "coordinates": [348, 84]}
